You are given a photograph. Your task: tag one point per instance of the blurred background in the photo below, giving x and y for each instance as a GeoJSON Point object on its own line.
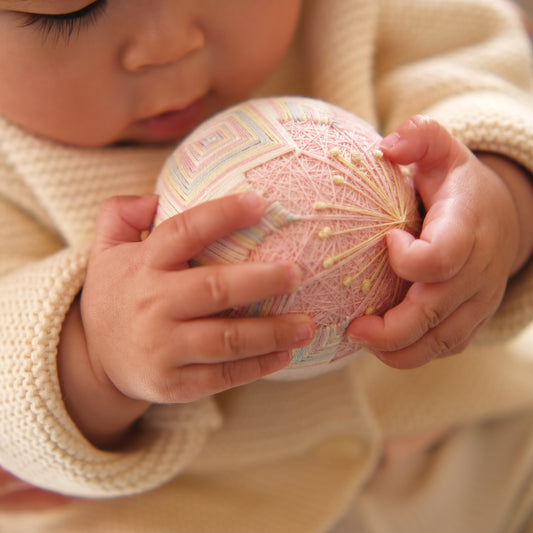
{"type": "Point", "coordinates": [527, 6]}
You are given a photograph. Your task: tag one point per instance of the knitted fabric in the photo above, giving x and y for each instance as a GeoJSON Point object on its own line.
{"type": "Point", "coordinates": [331, 196]}
{"type": "Point", "coordinates": [296, 453]}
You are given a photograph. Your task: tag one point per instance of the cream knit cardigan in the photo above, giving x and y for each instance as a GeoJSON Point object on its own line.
{"type": "Point", "coordinates": [303, 447]}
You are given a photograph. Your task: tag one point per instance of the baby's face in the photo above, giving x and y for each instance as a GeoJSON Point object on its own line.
{"type": "Point", "coordinates": [98, 73]}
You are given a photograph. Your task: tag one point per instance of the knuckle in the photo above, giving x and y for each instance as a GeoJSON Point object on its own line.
{"type": "Point", "coordinates": [440, 347]}
{"type": "Point", "coordinates": [182, 229]}
{"type": "Point", "coordinates": [229, 375]}
{"type": "Point", "coordinates": [182, 390]}
{"type": "Point", "coordinates": [444, 265]}
{"type": "Point", "coordinates": [233, 341]}
{"type": "Point", "coordinates": [460, 347]}
{"type": "Point", "coordinates": [217, 289]}
{"type": "Point", "coordinates": [237, 373]}
{"type": "Point", "coordinates": [280, 338]}
{"type": "Point", "coordinates": [432, 317]}
{"type": "Point", "coordinates": [167, 392]}
{"type": "Point", "coordinates": [265, 366]}
{"type": "Point", "coordinates": [284, 336]}
{"type": "Point", "coordinates": [156, 389]}
{"type": "Point", "coordinates": [169, 389]}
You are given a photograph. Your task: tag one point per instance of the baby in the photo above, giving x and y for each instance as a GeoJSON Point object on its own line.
{"type": "Point", "coordinates": [112, 365]}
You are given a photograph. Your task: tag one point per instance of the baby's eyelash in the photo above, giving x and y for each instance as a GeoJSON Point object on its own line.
{"type": "Point", "coordinates": [63, 25]}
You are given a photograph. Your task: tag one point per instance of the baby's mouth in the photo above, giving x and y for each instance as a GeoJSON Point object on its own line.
{"type": "Point", "coordinates": [174, 123]}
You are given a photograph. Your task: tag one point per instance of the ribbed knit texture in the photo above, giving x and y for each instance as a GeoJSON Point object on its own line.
{"type": "Point", "coordinates": [44, 260]}
{"type": "Point", "coordinates": [269, 457]}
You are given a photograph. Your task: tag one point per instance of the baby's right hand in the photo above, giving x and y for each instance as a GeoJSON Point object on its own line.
{"type": "Point", "coordinates": [149, 319]}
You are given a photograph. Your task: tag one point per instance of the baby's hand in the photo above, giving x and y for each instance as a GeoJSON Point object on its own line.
{"type": "Point", "coordinates": [18, 496]}
{"type": "Point", "coordinates": [462, 260]}
{"type": "Point", "coordinates": [149, 319]}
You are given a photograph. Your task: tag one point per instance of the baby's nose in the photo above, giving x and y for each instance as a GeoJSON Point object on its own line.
{"type": "Point", "coordinates": [162, 38]}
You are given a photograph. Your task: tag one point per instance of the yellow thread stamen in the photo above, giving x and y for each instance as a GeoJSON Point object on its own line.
{"type": "Point", "coordinates": [366, 286]}
{"type": "Point", "coordinates": [391, 208]}
{"type": "Point", "coordinates": [355, 229]}
{"type": "Point", "coordinates": [400, 206]}
{"type": "Point", "coordinates": [356, 157]}
{"type": "Point", "coordinates": [348, 280]}
{"type": "Point", "coordinates": [325, 232]}
{"type": "Point", "coordinates": [330, 261]}
{"type": "Point", "coordinates": [385, 203]}
{"type": "Point", "coordinates": [322, 206]}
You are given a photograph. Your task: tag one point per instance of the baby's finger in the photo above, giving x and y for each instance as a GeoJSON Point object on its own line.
{"type": "Point", "coordinates": [434, 152]}
{"type": "Point", "coordinates": [123, 219]}
{"type": "Point", "coordinates": [425, 142]}
{"type": "Point", "coordinates": [442, 250]}
{"type": "Point", "coordinates": [196, 381]}
{"type": "Point", "coordinates": [449, 338]}
{"type": "Point", "coordinates": [179, 238]}
{"type": "Point", "coordinates": [211, 289]}
{"type": "Point", "coordinates": [230, 339]}
{"type": "Point", "coordinates": [424, 308]}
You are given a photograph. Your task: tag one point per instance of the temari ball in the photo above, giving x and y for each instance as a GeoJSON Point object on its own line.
{"type": "Point", "coordinates": [332, 196]}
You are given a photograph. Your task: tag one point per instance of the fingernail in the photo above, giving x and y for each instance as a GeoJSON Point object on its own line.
{"type": "Point", "coordinates": [252, 200]}
{"type": "Point", "coordinates": [390, 141]}
{"type": "Point", "coordinates": [284, 357]}
{"type": "Point", "coordinates": [305, 333]}
{"type": "Point", "coordinates": [295, 275]}
{"type": "Point", "coordinates": [305, 330]}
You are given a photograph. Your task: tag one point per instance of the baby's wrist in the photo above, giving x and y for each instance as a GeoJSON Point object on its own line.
{"type": "Point", "coordinates": [101, 412]}
{"type": "Point", "coordinates": [520, 187]}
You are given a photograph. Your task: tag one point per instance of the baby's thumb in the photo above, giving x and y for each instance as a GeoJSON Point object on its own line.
{"type": "Point", "coordinates": [425, 142]}
{"type": "Point", "coordinates": [124, 219]}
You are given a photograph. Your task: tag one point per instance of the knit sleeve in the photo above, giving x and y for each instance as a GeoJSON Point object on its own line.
{"type": "Point", "coordinates": [466, 63]}
{"type": "Point", "coordinates": [39, 278]}
{"type": "Point", "coordinates": [434, 54]}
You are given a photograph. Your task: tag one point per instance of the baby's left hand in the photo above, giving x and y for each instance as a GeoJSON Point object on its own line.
{"type": "Point", "coordinates": [470, 245]}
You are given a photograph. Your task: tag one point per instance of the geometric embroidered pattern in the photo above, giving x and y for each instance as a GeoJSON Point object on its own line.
{"type": "Point", "coordinates": [217, 159]}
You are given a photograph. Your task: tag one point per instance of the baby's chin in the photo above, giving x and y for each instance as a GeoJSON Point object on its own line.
{"type": "Point", "coordinates": [132, 136]}
{"type": "Point", "coordinates": [122, 140]}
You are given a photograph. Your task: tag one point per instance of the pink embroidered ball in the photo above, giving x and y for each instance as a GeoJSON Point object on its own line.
{"type": "Point", "coordinates": [332, 198]}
